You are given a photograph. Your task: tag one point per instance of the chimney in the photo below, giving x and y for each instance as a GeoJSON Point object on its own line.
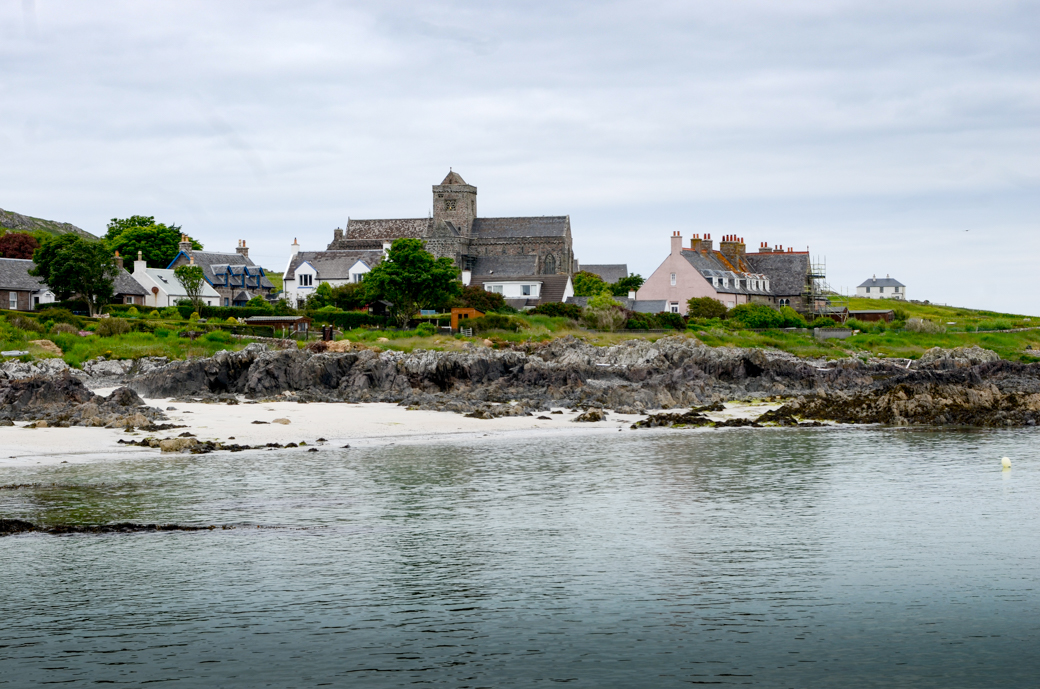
{"type": "Point", "coordinates": [191, 262]}
{"type": "Point", "coordinates": [467, 275]}
{"type": "Point", "coordinates": [676, 243]}
{"type": "Point", "coordinates": [185, 244]}
{"type": "Point", "coordinates": [140, 264]}
{"type": "Point", "coordinates": [695, 242]}
{"type": "Point", "coordinates": [632, 294]}
{"type": "Point", "coordinates": [732, 247]}
{"type": "Point", "coordinates": [337, 234]}
{"type": "Point", "coordinates": [386, 248]}
{"type": "Point", "coordinates": [706, 243]}
{"type": "Point", "coordinates": [242, 249]}
{"type": "Point", "coordinates": [296, 246]}
{"type": "Point", "coordinates": [119, 260]}
{"type": "Point", "coordinates": [763, 248]}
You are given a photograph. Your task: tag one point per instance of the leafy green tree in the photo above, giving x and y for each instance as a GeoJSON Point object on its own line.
{"type": "Point", "coordinates": [622, 287]}
{"type": "Point", "coordinates": [350, 297]}
{"type": "Point", "coordinates": [193, 279]}
{"type": "Point", "coordinates": [322, 296]}
{"type": "Point", "coordinates": [157, 242]}
{"type": "Point", "coordinates": [603, 313]}
{"type": "Point", "coordinates": [705, 307]}
{"type": "Point", "coordinates": [792, 319]}
{"type": "Point", "coordinates": [71, 265]}
{"type": "Point", "coordinates": [411, 279]}
{"type": "Point", "coordinates": [476, 297]}
{"type": "Point", "coordinates": [756, 316]}
{"type": "Point", "coordinates": [18, 245]}
{"type": "Point", "coordinates": [258, 302]}
{"type": "Point", "coordinates": [587, 284]}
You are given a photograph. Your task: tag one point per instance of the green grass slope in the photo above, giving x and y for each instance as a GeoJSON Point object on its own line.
{"type": "Point", "coordinates": [16, 222]}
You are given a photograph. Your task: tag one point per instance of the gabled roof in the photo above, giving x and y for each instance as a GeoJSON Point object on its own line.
{"type": "Point", "coordinates": [332, 265]}
{"type": "Point", "coordinates": [637, 305]}
{"type": "Point", "coordinates": [882, 282]}
{"type": "Point", "coordinates": [539, 226]}
{"type": "Point", "coordinates": [711, 265]}
{"type": "Point", "coordinates": [786, 271]}
{"type": "Point", "coordinates": [453, 178]}
{"type": "Point", "coordinates": [126, 284]}
{"type": "Point", "coordinates": [505, 265]}
{"type": "Point", "coordinates": [168, 282]}
{"type": "Point", "coordinates": [208, 260]}
{"type": "Point", "coordinates": [553, 286]}
{"type": "Point", "coordinates": [14, 276]}
{"type": "Point", "coordinates": [608, 272]}
{"type": "Point", "coordinates": [386, 229]}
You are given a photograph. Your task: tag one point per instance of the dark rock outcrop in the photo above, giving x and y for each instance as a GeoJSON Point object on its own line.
{"type": "Point", "coordinates": [62, 400]}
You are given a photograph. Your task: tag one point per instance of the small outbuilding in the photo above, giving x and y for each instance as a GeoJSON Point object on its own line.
{"type": "Point", "coordinates": [462, 315]}
{"type": "Point", "coordinates": [867, 315]}
{"type": "Point", "coordinates": [290, 324]}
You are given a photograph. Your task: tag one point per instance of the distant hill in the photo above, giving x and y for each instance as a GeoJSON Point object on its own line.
{"type": "Point", "coordinates": [16, 222]}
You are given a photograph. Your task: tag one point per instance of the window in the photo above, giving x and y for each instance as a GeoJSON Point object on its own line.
{"type": "Point", "coordinates": [881, 290]}
{"type": "Point", "coordinates": [673, 279]}
{"type": "Point", "coordinates": [525, 290]}
{"type": "Point", "coordinates": [128, 300]}
{"type": "Point", "coordinates": [12, 301]}
{"type": "Point", "coordinates": [306, 279]}
{"type": "Point", "coordinates": [868, 290]}
{"type": "Point", "coordinates": [225, 301]}
{"type": "Point", "coordinates": [36, 301]}
{"type": "Point", "coordinates": [449, 204]}
{"type": "Point", "coordinates": [674, 306]}
{"type": "Point", "coordinates": [785, 302]}
{"type": "Point", "coordinates": [550, 265]}
{"type": "Point", "coordinates": [897, 289]}
{"type": "Point", "coordinates": [358, 277]}
{"type": "Point", "coordinates": [497, 289]}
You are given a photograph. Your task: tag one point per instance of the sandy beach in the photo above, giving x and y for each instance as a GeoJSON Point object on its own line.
{"type": "Point", "coordinates": [338, 423]}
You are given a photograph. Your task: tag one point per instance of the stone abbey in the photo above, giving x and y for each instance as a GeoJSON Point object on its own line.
{"type": "Point", "coordinates": [539, 245]}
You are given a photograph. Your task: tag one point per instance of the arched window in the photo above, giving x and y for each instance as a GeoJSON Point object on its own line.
{"type": "Point", "coordinates": [550, 265]}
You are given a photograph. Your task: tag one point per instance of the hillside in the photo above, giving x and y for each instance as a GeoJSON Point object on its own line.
{"type": "Point", "coordinates": [16, 222]}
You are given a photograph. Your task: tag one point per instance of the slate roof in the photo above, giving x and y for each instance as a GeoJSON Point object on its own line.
{"type": "Point", "coordinates": [786, 271]}
{"type": "Point", "coordinates": [387, 229]}
{"type": "Point", "coordinates": [637, 305]}
{"type": "Point", "coordinates": [126, 284]}
{"type": "Point", "coordinates": [609, 272]}
{"type": "Point", "coordinates": [332, 265]}
{"type": "Point", "coordinates": [505, 265]}
{"type": "Point", "coordinates": [553, 286]}
{"type": "Point", "coordinates": [453, 178]}
{"type": "Point", "coordinates": [213, 263]}
{"type": "Point", "coordinates": [881, 282]}
{"type": "Point", "coordinates": [168, 282]}
{"type": "Point", "coordinates": [540, 226]}
{"type": "Point", "coordinates": [14, 276]}
{"type": "Point", "coordinates": [710, 265]}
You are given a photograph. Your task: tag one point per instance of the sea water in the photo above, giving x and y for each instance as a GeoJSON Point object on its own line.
{"type": "Point", "coordinates": [777, 558]}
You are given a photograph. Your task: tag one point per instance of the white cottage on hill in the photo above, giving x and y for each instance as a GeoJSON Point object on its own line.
{"type": "Point", "coordinates": [881, 288]}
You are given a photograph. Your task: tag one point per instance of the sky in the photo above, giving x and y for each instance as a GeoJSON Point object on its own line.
{"type": "Point", "coordinates": [890, 138]}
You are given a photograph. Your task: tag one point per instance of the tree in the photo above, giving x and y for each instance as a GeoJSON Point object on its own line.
{"type": "Point", "coordinates": [622, 287]}
{"type": "Point", "coordinates": [476, 297]}
{"type": "Point", "coordinates": [603, 313]}
{"type": "Point", "coordinates": [18, 245]}
{"type": "Point", "coordinates": [71, 265]}
{"type": "Point", "coordinates": [350, 297]}
{"type": "Point", "coordinates": [705, 307]}
{"type": "Point", "coordinates": [158, 243]}
{"type": "Point", "coordinates": [258, 302]}
{"type": "Point", "coordinates": [193, 279]}
{"type": "Point", "coordinates": [587, 284]}
{"type": "Point", "coordinates": [322, 296]}
{"type": "Point", "coordinates": [411, 279]}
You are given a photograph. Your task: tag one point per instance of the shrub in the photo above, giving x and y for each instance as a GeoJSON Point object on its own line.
{"type": "Point", "coordinates": [476, 297]}
{"type": "Point", "coordinates": [756, 316]}
{"type": "Point", "coordinates": [822, 322]}
{"type": "Point", "coordinates": [62, 316]}
{"type": "Point", "coordinates": [154, 314]}
{"type": "Point", "coordinates": [705, 307]}
{"type": "Point", "coordinates": [64, 329]}
{"type": "Point", "coordinates": [132, 311]}
{"type": "Point", "coordinates": [857, 324]}
{"type": "Point", "coordinates": [109, 327]}
{"type": "Point", "coordinates": [171, 312]}
{"type": "Point", "coordinates": [792, 319]}
{"type": "Point", "coordinates": [231, 320]}
{"type": "Point", "coordinates": [425, 330]}
{"type": "Point", "coordinates": [902, 314]}
{"type": "Point", "coordinates": [219, 336]}
{"type": "Point", "coordinates": [23, 323]}
{"type": "Point", "coordinates": [162, 332]}
{"type": "Point", "coordinates": [194, 317]}
{"type": "Point", "coordinates": [495, 321]}
{"type": "Point", "coordinates": [557, 310]}
{"type": "Point", "coordinates": [603, 313]}
{"type": "Point", "coordinates": [919, 325]}
{"type": "Point", "coordinates": [995, 325]}
{"type": "Point", "coordinates": [349, 320]}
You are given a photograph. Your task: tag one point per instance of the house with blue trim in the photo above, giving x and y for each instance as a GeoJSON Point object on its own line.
{"type": "Point", "coordinates": [308, 269]}
{"type": "Point", "coordinates": [233, 276]}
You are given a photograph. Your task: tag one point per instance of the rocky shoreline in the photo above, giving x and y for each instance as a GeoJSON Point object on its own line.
{"type": "Point", "coordinates": [969, 387]}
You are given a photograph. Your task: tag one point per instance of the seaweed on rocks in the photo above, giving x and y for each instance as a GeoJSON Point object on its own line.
{"type": "Point", "coordinates": [10, 527]}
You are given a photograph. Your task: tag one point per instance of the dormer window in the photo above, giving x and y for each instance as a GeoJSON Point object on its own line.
{"type": "Point", "coordinates": [306, 279]}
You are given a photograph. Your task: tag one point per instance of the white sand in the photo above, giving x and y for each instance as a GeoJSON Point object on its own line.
{"type": "Point", "coordinates": [340, 424]}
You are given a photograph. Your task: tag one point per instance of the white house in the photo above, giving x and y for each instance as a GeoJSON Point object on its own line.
{"type": "Point", "coordinates": [524, 291]}
{"type": "Point", "coordinates": [164, 289]}
{"type": "Point", "coordinates": [308, 269]}
{"type": "Point", "coordinates": [881, 288]}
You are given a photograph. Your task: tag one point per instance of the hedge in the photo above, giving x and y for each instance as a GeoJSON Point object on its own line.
{"type": "Point", "coordinates": [556, 309]}
{"type": "Point", "coordinates": [659, 321]}
{"type": "Point", "coordinates": [348, 320]}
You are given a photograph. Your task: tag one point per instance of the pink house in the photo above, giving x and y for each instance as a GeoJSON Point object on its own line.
{"type": "Point", "coordinates": [730, 275]}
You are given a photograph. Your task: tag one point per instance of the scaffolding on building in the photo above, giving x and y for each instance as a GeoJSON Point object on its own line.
{"type": "Point", "coordinates": [816, 287]}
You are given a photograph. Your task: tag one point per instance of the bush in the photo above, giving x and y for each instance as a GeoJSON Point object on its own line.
{"type": "Point", "coordinates": [995, 325]}
{"type": "Point", "coordinates": [756, 316]}
{"type": "Point", "coordinates": [792, 319]}
{"type": "Point", "coordinates": [476, 297]}
{"type": "Point", "coordinates": [857, 324]}
{"type": "Point", "coordinates": [231, 320]}
{"type": "Point", "coordinates": [171, 312]}
{"type": "Point", "coordinates": [919, 325]}
{"type": "Point", "coordinates": [64, 329]}
{"type": "Point", "coordinates": [425, 330]}
{"type": "Point", "coordinates": [154, 314]}
{"type": "Point", "coordinates": [822, 322]}
{"type": "Point", "coordinates": [349, 320]}
{"type": "Point", "coordinates": [705, 307]}
{"type": "Point", "coordinates": [162, 332]}
{"type": "Point", "coordinates": [557, 310]}
{"type": "Point", "coordinates": [62, 316]}
{"type": "Point", "coordinates": [658, 321]}
{"type": "Point", "coordinates": [495, 321]}
{"type": "Point", "coordinates": [110, 327]}
{"type": "Point", "coordinates": [219, 336]}
{"type": "Point", "coordinates": [132, 311]}
{"type": "Point", "coordinates": [23, 323]}
{"type": "Point", "coordinates": [194, 317]}
{"type": "Point", "coordinates": [902, 314]}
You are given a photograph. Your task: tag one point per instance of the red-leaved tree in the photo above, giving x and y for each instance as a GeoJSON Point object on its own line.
{"type": "Point", "coordinates": [18, 245]}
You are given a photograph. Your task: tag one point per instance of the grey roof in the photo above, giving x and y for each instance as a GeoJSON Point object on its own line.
{"type": "Point", "coordinates": [711, 265]}
{"type": "Point", "coordinates": [167, 280]}
{"type": "Point", "coordinates": [881, 282]}
{"type": "Point", "coordinates": [540, 226]}
{"type": "Point", "coordinates": [333, 265]}
{"type": "Point", "coordinates": [637, 305]}
{"type": "Point", "coordinates": [213, 263]}
{"type": "Point", "coordinates": [505, 265]}
{"type": "Point", "coordinates": [869, 311]}
{"type": "Point", "coordinates": [275, 319]}
{"type": "Point", "coordinates": [609, 272]}
{"type": "Point", "coordinates": [126, 284]}
{"type": "Point", "coordinates": [387, 229]}
{"type": "Point", "coordinates": [786, 271]}
{"type": "Point", "coordinates": [14, 275]}
{"type": "Point", "coordinates": [553, 286]}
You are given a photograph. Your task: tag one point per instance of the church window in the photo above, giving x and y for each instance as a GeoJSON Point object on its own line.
{"type": "Point", "coordinates": [550, 265]}
{"type": "Point", "coordinates": [449, 204]}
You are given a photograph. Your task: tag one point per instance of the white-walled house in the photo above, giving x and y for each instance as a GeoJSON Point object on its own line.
{"type": "Point", "coordinates": [882, 288]}
{"type": "Point", "coordinates": [169, 289]}
{"type": "Point", "coordinates": [308, 269]}
{"type": "Point", "coordinates": [525, 291]}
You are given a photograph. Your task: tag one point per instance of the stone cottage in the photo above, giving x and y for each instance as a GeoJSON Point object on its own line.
{"type": "Point", "coordinates": [233, 276]}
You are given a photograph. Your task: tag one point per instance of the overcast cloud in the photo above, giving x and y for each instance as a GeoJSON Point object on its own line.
{"type": "Point", "coordinates": [895, 137]}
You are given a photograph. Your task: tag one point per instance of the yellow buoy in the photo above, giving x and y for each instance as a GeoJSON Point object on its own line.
{"type": "Point", "coordinates": [1006, 463]}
